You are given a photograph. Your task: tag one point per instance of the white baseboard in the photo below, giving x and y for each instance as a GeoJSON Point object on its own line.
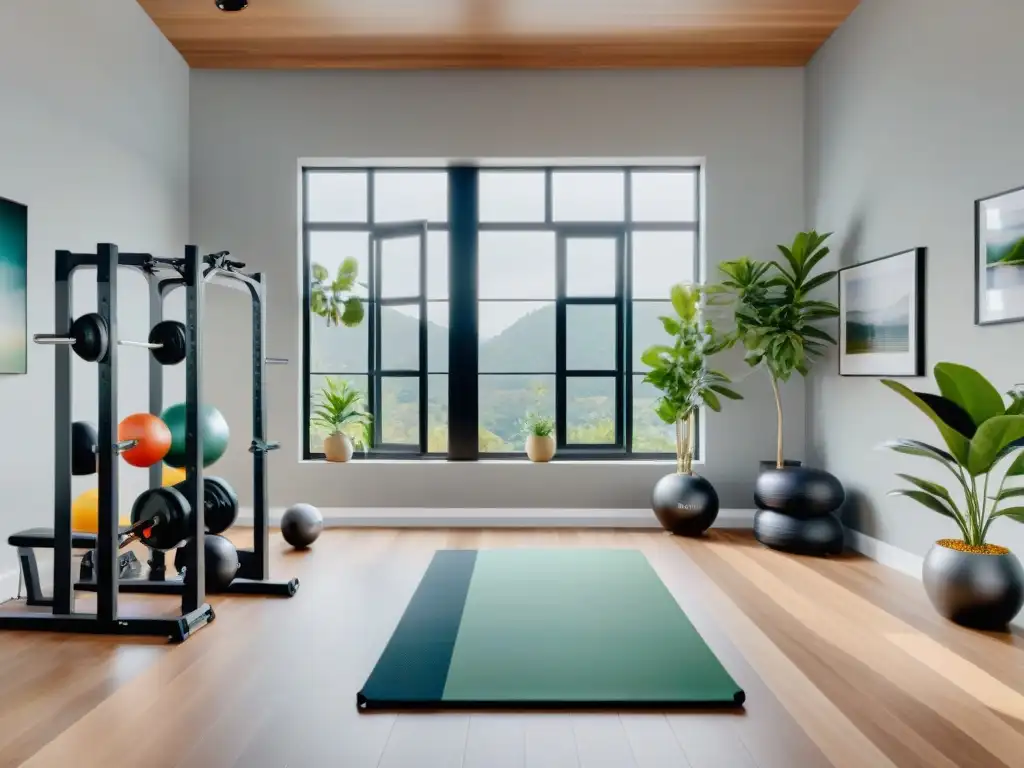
{"type": "Point", "coordinates": [403, 517]}
{"type": "Point", "coordinates": [895, 558]}
{"type": "Point", "coordinates": [886, 554]}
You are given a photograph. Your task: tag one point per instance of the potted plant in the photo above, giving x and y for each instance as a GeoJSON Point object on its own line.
{"type": "Point", "coordinates": [777, 324]}
{"type": "Point", "coordinates": [333, 300]}
{"type": "Point", "coordinates": [540, 438]}
{"type": "Point", "coordinates": [969, 580]}
{"type": "Point", "coordinates": [337, 410]}
{"type": "Point", "coordinates": [686, 503]}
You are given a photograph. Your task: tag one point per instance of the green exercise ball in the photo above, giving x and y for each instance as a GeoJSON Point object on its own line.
{"type": "Point", "coordinates": [214, 428]}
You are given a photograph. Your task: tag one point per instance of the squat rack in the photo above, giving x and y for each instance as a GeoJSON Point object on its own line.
{"type": "Point", "coordinates": [191, 272]}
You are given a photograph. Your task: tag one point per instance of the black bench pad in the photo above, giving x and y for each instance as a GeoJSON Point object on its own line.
{"type": "Point", "coordinates": [42, 538]}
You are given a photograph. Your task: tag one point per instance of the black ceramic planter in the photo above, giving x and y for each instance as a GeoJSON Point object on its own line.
{"type": "Point", "coordinates": [685, 505]}
{"type": "Point", "coordinates": [979, 591]}
{"type": "Point", "coordinates": [818, 536]}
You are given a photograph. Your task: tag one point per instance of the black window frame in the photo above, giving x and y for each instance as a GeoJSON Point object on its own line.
{"type": "Point", "coordinates": [464, 226]}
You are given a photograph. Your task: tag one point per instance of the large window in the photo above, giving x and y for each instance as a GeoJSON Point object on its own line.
{"type": "Point", "coordinates": [572, 268]}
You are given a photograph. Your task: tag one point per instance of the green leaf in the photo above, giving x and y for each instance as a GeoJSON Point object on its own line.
{"type": "Point", "coordinates": [726, 392]}
{"type": "Point", "coordinates": [958, 445]}
{"type": "Point", "coordinates": [353, 312]}
{"type": "Point", "coordinates": [970, 390]}
{"type": "Point", "coordinates": [1014, 513]}
{"type": "Point", "coordinates": [1008, 493]}
{"type": "Point", "coordinates": [1017, 467]}
{"type": "Point", "coordinates": [812, 262]}
{"type": "Point", "coordinates": [652, 356]}
{"type": "Point", "coordinates": [934, 504]}
{"type": "Point", "coordinates": [684, 301]}
{"type": "Point", "coordinates": [929, 487]}
{"type": "Point", "coordinates": [917, 448]}
{"type": "Point", "coordinates": [666, 411]}
{"type": "Point", "coordinates": [820, 280]}
{"type": "Point", "coordinates": [992, 437]}
{"type": "Point", "coordinates": [672, 327]}
{"type": "Point", "coordinates": [817, 333]}
{"type": "Point", "coordinates": [711, 400]}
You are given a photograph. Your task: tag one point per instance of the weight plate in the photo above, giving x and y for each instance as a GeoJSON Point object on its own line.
{"type": "Point", "coordinates": [170, 334]}
{"type": "Point", "coordinates": [221, 508]}
{"type": "Point", "coordinates": [169, 510]}
{"type": "Point", "coordinates": [91, 337]}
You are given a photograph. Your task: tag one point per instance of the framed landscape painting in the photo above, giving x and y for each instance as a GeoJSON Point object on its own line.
{"type": "Point", "coordinates": [13, 287]}
{"type": "Point", "coordinates": [881, 316]}
{"type": "Point", "coordinates": [999, 259]}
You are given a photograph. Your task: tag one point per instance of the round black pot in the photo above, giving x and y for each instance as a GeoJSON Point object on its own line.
{"type": "Point", "coordinates": [979, 591]}
{"type": "Point", "coordinates": [822, 535]}
{"type": "Point", "coordinates": [798, 491]}
{"type": "Point", "coordinates": [685, 505]}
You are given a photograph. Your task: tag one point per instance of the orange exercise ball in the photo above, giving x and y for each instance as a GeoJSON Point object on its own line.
{"type": "Point", "coordinates": [85, 512]}
{"type": "Point", "coordinates": [153, 435]}
{"type": "Point", "coordinates": [173, 475]}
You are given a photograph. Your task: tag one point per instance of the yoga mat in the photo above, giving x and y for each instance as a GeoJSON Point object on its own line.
{"type": "Point", "coordinates": [549, 628]}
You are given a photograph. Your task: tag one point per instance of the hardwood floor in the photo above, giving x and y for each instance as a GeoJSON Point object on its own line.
{"type": "Point", "coordinates": [843, 661]}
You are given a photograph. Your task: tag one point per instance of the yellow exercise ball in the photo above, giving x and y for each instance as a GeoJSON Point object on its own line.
{"type": "Point", "coordinates": [173, 475]}
{"type": "Point", "coordinates": [85, 512]}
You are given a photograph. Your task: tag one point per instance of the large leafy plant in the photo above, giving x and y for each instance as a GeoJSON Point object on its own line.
{"type": "Point", "coordinates": [333, 299]}
{"type": "Point", "coordinates": [980, 431]}
{"type": "Point", "coordinates": [680, 370]}
{"type": "Point", "coordinates": [776, 320]}
{"type": "Point", "coordinates": [339, 409]}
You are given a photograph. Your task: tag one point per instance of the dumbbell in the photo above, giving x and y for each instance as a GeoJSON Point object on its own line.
{"type": "Point", "coordinates": [89, 338]}
{"type": "Point", "coordinates": [161, 517]}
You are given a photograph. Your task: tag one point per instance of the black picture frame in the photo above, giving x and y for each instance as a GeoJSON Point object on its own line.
{"type": "Point", "coordinates": [915, 357]}
{"type": "Point", "coordinates": [981, 257]}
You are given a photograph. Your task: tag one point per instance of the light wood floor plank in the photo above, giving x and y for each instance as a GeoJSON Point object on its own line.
{"type": "Point", "coordinates": [601, 741]}
{"type": "Point", "coordinates": [653, 742]}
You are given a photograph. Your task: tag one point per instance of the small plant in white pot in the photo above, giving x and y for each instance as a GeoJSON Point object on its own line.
{"type": "Point", "coordinates": [540, 438]}
{"type": "Point", "coordinates": [338, 411]}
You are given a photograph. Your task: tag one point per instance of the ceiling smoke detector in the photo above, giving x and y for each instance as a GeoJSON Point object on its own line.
{"type": "Point", "coordinates": [232, 5]}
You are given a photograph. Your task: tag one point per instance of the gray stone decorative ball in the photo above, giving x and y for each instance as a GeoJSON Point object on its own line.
{"type": "Point", "coordinates": [301, 525]}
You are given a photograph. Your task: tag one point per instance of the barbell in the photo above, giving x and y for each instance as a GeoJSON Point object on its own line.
{"type": "Point", "coordinates": [89, 338]}
{"type": "Point", "coordinates": [161, 516]}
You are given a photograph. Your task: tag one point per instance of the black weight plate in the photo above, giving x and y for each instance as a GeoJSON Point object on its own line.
{"type": "Point", "coordinates": [91, 337]}
{"type": "Point", "coordinates": [170, 334]}
{"type": "Point", "coordinates": [221, 508]}
{"type": "Point", "coordinates": [171, 508]}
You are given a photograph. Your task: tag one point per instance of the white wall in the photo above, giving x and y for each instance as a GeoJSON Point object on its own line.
{"type": "Point", "coordinates": [913, 112]}
{"type": "Point", "coordinates": [249, 129]}
{"type": "Point", "coordinates": [94, 140]}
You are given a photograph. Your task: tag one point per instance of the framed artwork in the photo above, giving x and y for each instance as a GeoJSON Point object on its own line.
{"type": "Point", "coordinates": [999, 258]}
{"type": "Point", "coordinates": [881, 316]}
{"type": "Point", "coordinates": [13, 287]}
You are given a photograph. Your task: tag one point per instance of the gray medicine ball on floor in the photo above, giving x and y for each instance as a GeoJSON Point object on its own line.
{"type": "Point", "coordinates": [301, 524]}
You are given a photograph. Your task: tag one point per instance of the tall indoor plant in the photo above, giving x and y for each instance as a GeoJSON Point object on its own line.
{"type": "Point", "coordinates": [338, 410]}
{"type": "Point", "coordinates": [778, 325]}
{"type": "Point", "coordinates": [969, 580]}
{"type": "Point", "coordinates": [685, 503]}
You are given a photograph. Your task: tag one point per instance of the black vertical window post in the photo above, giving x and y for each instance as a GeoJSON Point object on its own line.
{"type": "Point", "coordinates": [463, 343]}
{"type": "Point", "coordinates": [107, 455]}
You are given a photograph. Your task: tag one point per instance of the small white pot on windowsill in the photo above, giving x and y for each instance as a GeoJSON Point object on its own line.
{"type": "Point", "coordinates": [338, 447]}
{"type": "Point", "coordinates": [540, 449]}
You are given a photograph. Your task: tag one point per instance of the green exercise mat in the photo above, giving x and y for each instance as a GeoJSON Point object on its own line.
{"type": "Point", "coordinates": [545, 628]}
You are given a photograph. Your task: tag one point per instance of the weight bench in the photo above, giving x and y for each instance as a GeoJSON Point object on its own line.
{"type": "Point", "coordinates": [29, 540]}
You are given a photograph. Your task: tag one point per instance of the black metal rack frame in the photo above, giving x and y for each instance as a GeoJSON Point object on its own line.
{"type": "Point", "coordinates": [163, 276]}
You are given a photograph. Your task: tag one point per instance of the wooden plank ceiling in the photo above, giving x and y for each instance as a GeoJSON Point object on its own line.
{"type": "Point", "coordinates": [469, 34]}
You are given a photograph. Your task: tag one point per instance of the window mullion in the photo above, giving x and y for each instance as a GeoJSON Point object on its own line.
{"type": "Point", "coordinates": [463, 339]}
